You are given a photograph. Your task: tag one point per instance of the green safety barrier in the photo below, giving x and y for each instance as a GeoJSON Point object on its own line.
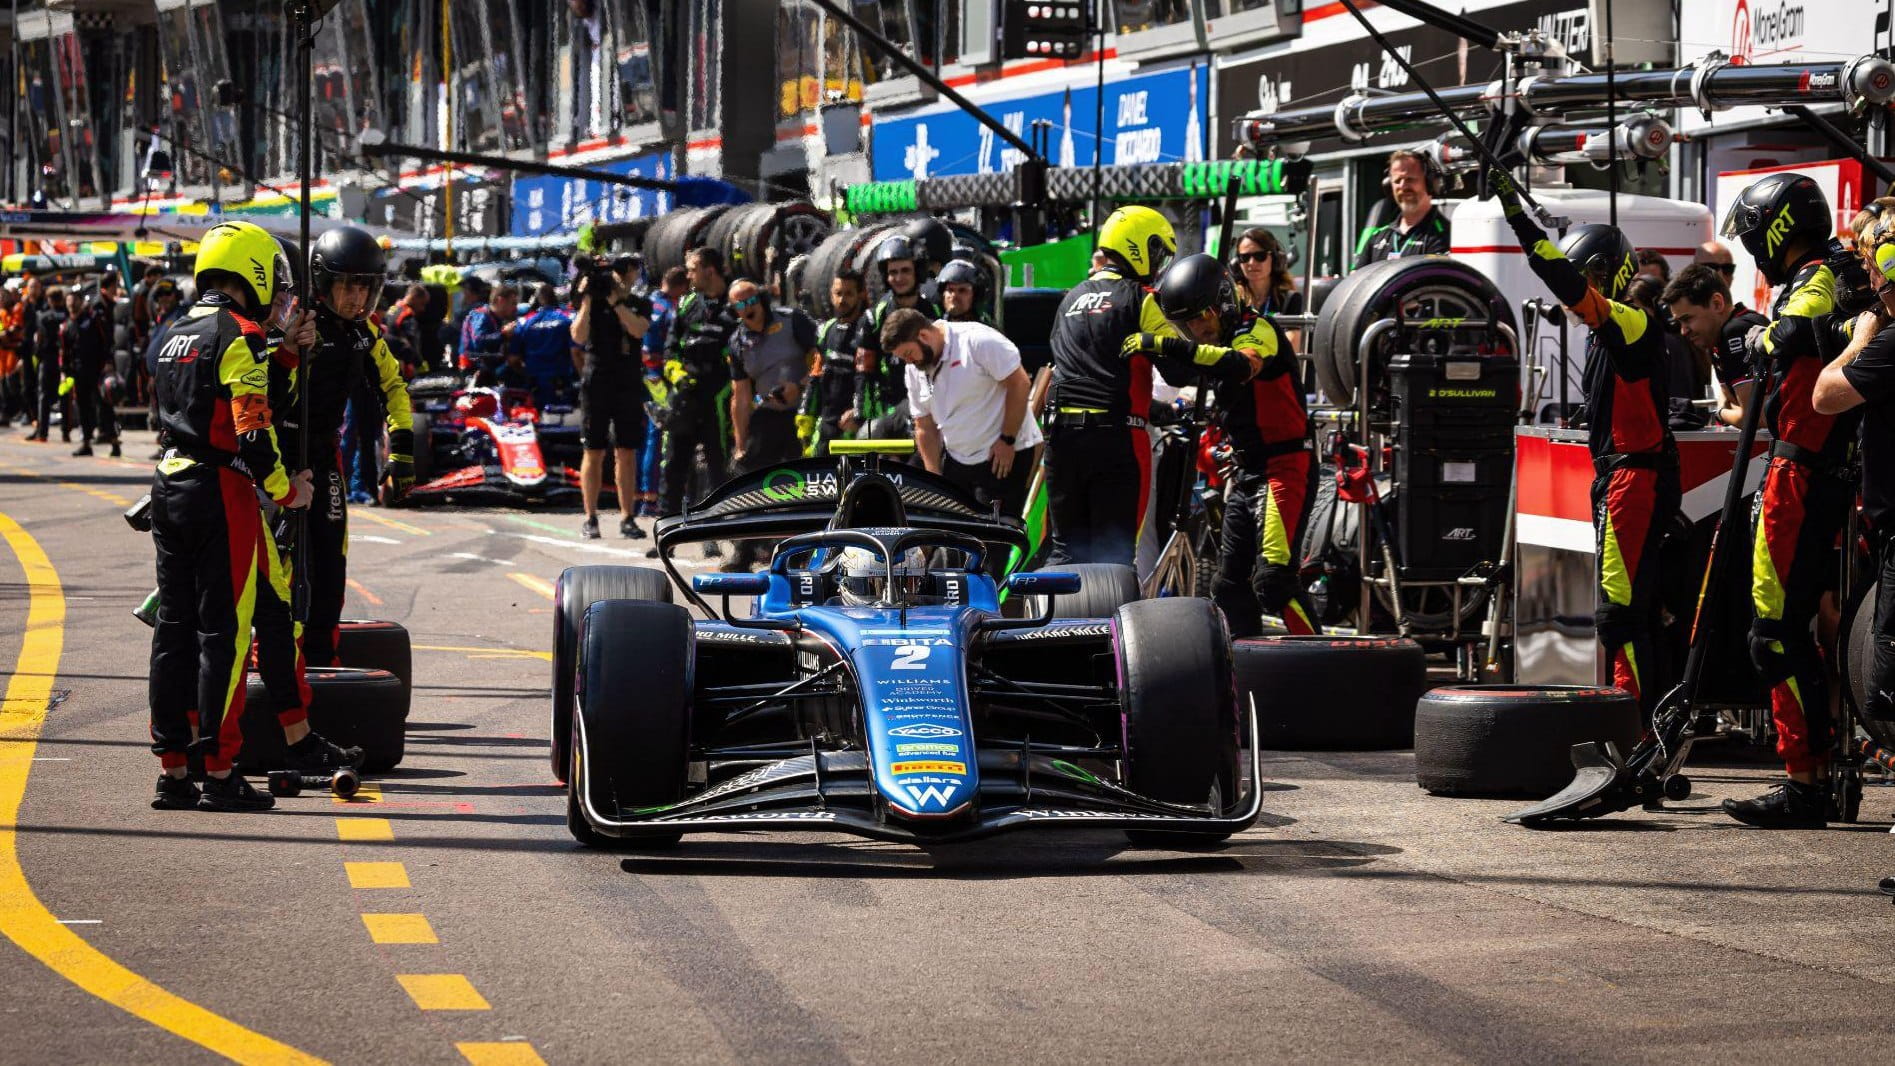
{"type": "Point", "coordinates": [881, 198]}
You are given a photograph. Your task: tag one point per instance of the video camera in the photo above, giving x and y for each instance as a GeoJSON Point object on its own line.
{"type": "Point", "coordinates": [603, 277]}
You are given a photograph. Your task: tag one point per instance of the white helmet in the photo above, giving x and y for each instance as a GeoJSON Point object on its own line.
{"type": "Point", "coordinates": [861, 579]}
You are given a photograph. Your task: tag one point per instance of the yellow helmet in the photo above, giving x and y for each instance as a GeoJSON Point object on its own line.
{"type": "Point", "coordinates": [246, 250]}
{"type": "Point", "coordinates": [1141, 238]}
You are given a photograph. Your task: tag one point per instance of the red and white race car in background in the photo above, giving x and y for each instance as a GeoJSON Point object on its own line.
{"type": "Point", "coordinates": [475, 442]}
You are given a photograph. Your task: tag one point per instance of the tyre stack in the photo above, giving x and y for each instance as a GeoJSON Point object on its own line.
{"type": "Point", "coordinates": [678, 232]}
{"type": "Point", "coordinates": [1321, 693]}
{"type": "Point", "coordinates": [1514, 740]}
{"type": "Point", "coordinates": [363, 703]}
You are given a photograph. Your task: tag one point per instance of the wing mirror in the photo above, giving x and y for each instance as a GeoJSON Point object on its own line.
{"type": "Point", "coordinates": [1044, 583]}
{"type": "Point", "coordinates": [731, 584]}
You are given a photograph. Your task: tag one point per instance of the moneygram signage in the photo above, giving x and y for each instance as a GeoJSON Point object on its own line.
{"type": "Point", "coordinates": [1772, 31]}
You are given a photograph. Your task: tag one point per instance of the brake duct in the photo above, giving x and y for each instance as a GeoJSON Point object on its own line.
{"type": "Point", "coordinates": [1712, 84]}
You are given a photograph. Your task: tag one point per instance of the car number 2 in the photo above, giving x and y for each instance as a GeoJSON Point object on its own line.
{"type": "Point", "coordinates": [911, 657]}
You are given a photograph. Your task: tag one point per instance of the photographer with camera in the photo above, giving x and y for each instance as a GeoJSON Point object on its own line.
{"type": "Point", "coordinates": [607, 332]}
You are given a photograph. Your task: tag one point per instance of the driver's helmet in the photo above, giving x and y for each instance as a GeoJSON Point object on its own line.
{"type": "Point", "coordinates": [861, 578]}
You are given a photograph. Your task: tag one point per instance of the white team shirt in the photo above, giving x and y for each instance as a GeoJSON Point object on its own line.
{"type": "Point", "coordinates": [964, 395]}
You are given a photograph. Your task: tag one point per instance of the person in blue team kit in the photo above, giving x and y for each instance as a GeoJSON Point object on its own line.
{"type": "Point", "coordinates": [543, 340]}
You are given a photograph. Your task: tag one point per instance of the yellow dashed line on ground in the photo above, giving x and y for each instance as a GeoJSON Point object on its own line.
{"type": "Point", "coordinates": [23, 918]}
{"type": "Point", "coordinates": [376, 874]}
{"type": "Point", "coordinates": [524, 653]}
{"type": "Point", "coordinates": [368, 792]}
{"type": "Point", "coordinates": [537, 584]}
{"type": "Point", "coordinates": [510, 1054]}
{"type": "Point", "coordinates": [109, 497]}
{"type": "Point", "coordinates": [399, 929]}
{"type": "Point", "coordinates": [364, 829]}
{"type": "Point", "coordinates": [442, 991]}
{"type": "Point", "coordinates": [383, 520]}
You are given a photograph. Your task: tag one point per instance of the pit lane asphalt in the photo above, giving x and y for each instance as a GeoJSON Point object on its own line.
{"type": "Point", "coordinates": [1362, 921]}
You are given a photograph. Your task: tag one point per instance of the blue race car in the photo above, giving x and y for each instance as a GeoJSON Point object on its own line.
{"type": "Point", "coordinates": [878, 687]}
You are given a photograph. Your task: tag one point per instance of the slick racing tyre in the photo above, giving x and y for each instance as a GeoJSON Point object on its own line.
{"type": "Point", "coordinates": [1858, 663]}
{"type": "Point", "coordinates": [373, 645]}
{"type": "Point", "coordinates": [632, 716]}
{"type": "Point", "coordinates": [1431, 294]}
{"type": "Point", "coordinates": [1318, 693]}
{"type": "Point", "coordinates": [348, 706]}
{"type": "Point", "coordinates": [1180, 720]}
{"type": "Point", "coordinates": [1103, 589]}
{"type": "Point", "coordinates": [578, 588]}
{"type": "Point", "coordinates": [1514, 740]}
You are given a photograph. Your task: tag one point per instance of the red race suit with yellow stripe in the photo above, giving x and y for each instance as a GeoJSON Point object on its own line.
{"type": "Point", "coordinates": [212, 388]}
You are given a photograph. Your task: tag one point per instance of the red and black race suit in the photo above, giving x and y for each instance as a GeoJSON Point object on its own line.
{"type": "Point", "coordinates": [1267, 503]}
{"type": "Point", "coordinates": [1800, 513]}
{"type": "Point", "coordinates": [1635, 490]}
{"type": "Point", "coordinates": [212, 385]}
{"type": "Point", "coordinates": [1098, 457]}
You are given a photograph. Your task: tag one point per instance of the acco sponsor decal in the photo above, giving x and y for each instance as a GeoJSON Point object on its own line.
{"type": "Point", "coordinates": [903, 768]}
{"type": "Point", "coordinates": [927, 749]}
{"type": "Point", "coordinates": [929, 731]}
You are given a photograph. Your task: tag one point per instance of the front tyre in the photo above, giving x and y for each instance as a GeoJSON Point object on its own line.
{"type": "Point", "coordinates": [578, 588]}
{"type": "Point", "coordinates": [1180, 708]}
{"type": "Point", "coordinates": [631, 732]}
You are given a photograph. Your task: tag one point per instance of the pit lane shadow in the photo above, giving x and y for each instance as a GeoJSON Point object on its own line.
{"type": "Point", "coordinates": [1023, 857]}
{"type": "Point", "coordinates": [128, 478]}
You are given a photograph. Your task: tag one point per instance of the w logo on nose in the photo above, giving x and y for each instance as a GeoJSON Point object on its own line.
{"type": "Point", "coordinates": [926, 796]}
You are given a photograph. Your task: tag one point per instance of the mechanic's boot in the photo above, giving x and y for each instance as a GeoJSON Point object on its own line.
{"type": "Point", "coordinates": [315, 754]}
{"type": "Point", "coordinates": [1791, 805]}
{"type": "Point", "coordinates": [628, 528]}
{"type": "Point", "coordinates": [117, 450]}
{"type": "Point", "coordinates": [175, 794]}
{"type": "Point", "coordinates": [233, 793]}
{"type": "Point", "coordinates": [590, 530]}
{"type": "Point", "coordinates": [85, 448]}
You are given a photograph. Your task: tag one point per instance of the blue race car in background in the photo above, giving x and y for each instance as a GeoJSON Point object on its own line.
{"type": "Point", "coordinates": [878, 688]}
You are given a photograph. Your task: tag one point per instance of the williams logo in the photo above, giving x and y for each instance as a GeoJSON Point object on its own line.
{"type": "Point", "coordinates": [925, 796]}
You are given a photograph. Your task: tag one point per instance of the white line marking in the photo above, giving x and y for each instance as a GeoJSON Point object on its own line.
{"type": "Point", "coordinates": [479, 558]}
{"type": "Point", "coordinates": [373, 539]}
{"type": "Point", "coordinates": [51, 758]}
{"type": "Point", "coordinates": [81, 921]}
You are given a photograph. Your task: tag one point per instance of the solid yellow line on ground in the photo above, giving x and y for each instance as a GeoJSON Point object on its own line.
{"type": "Point", "coordinates": [521, 652]}
{"type": "Point", "coordinates": [23, 918]}
{"type": "Point", "coordinates": [362, 591]}
{"type": "Point", "coordinates": [442, 991]}
{"type": "Point", "coordinates": [376, 874]}
{"type": "Point", "coordinates": [367, 792]}
{"type": "Point", "coordinates": [515, 1053]}
{"type": "Point", "coordinates": [363, 512]}
{"type": "Point", "coordinates": [364, 829]}
{"type": "Point", "coordinates": [399, 929]}
{"type": "Point", "coordinates": [537, 584]}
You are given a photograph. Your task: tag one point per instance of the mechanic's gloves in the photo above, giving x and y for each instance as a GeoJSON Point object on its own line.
{"type": "Point", "coordinates": [677, 376]}
{"type": "Point", "coordinates": [1228, 362]}
{"type": "Point", "coordinates": [1508, 193]}
{"type": "Point", "coordinates": [65, 385]}
{"type": "Point", "coordinates": [400, 468]}
{"type": "Point", "coordinates": [1766, 653]}
{"type": "Point", "coordinates": [806, 429]}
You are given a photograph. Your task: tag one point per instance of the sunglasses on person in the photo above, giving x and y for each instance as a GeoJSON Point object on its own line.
{"type": "Point", "coordinates": [1253, 257]}
{"type": "Point", "coordinates": [746, 303]}
{"type": "Point", "coordinates": [1727, 269]}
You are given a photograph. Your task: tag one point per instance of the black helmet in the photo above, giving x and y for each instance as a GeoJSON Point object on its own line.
{"type": "Point", "coordinates": [960, 272]}
{"type": "Point", "coordinates": [1604, 254]}
{"type": "Point", "coordinates": [893, 249]}
{"type": "Point", "coordinates": [1193, 285]}
{"type": "Point", "coordinates": [1776, 215]}
{"type": "Point", "coordinates": [348, 254]}
{"type": "Point", "coordinates": [933, 242]}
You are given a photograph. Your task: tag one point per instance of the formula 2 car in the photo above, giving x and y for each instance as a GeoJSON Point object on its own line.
{"type": "Point", "coordinates": [477, 442]}
{"type": "Point", "coordinates": [876, 688]}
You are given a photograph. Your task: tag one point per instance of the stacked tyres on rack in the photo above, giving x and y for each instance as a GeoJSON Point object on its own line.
{"type": "Point", "coordinates": [755, 239]}
{"type": "Point", "coordinates": [1454, 419]}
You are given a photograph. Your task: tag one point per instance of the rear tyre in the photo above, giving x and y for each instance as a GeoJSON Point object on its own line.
{"type": "Point", "coordinates": [1180, 718]}
{"type": "Point", "coordinates": [1515, 740]}
{"type": "Point", "coordinates": [1103, 589]}
{"type": "Point", "coordinates": [578, 588]}
{"type": "Point", "coordinates": [1331, 693]}
{"type": "Point", "coordinates": [632, 715]}
{"type": "Point", "coordinates": [350, 707]}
